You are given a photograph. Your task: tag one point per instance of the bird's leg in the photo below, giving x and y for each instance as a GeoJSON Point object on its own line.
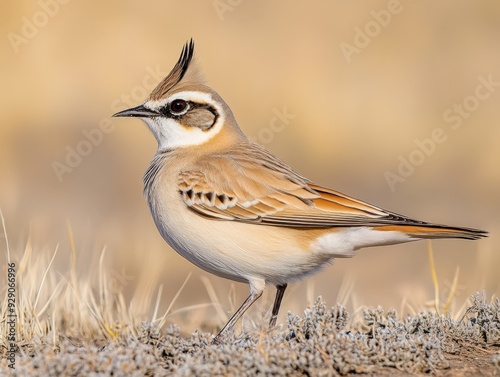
{"type": "Point", "coordinates": [243, 308]}
{"type": "Point", "coordinates": [280, 291]}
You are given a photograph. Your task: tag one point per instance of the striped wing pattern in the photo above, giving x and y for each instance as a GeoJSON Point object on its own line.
{"type": "Point", "coordinates": [251, 185]}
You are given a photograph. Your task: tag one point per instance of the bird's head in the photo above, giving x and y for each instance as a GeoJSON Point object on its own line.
{"type": "Point", "coordinates": [182, 111]}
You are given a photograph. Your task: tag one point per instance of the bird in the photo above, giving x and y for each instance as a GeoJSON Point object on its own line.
{"type": "Point", "coordinates": [235, 210]}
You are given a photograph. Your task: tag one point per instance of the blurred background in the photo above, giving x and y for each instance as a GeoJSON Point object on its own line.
{"type": "Point", "coordinates": [363, 84]}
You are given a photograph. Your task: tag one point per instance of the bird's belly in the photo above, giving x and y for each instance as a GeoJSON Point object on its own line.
{"type": "Point", "coordinates": [237, 251]}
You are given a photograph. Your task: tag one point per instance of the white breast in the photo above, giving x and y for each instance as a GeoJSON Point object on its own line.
{"type": "Point", "coordinates": [243, 252]}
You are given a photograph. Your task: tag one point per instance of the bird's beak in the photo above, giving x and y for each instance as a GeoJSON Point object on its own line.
{"type": "Point", "coordinates": [138, 112]}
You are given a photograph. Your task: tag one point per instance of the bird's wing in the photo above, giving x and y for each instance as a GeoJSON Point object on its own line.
{"type": "Point", "coordinates": [251, 185]}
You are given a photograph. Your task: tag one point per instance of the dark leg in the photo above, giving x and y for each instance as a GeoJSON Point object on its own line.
{"type": "Point", "coordinates": [243, 308]}
{"type": "Point", "coordinates": [280, 291]}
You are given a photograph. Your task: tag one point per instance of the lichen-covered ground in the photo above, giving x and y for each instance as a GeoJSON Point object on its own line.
{"type": "Point", "coordinates": [318, 343]}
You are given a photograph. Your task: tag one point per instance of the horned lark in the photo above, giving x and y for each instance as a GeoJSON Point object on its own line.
{"type": "Point", "coordinates": [235, 210]}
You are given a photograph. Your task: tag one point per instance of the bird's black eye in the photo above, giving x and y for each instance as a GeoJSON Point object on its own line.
{"type": "Point", "coordinates": [178, 106]}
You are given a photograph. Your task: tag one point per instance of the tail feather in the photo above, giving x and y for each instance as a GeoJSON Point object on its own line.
{"type": "Point", "coordinates": [433, 231]}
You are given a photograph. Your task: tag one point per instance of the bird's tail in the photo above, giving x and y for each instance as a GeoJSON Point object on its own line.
{"type": "Point", "coordinates": [432, 231]}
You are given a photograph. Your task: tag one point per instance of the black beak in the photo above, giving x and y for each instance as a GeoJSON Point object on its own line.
{"type": "Point", "coordinates": [138, 112]}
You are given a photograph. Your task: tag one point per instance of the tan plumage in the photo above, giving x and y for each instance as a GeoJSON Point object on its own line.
{"type": "Point", "coordinates": [235, 210]}
{"type": "Point", "coordinates": [267, 192]}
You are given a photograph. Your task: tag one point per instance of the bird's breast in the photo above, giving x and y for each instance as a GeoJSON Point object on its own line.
{"type": "Point", "coordinates": [230, 249]}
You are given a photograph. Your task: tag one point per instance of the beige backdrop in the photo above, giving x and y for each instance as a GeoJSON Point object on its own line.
{"type": "Point", "coordinates": [396, 103]}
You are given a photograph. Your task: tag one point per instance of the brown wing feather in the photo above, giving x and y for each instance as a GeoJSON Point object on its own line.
{"type": "Point", "coordinates": [253, 186]}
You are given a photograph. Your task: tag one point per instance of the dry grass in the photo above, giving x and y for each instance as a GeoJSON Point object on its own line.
{"type": "Point", "coordinates": [51, 305]}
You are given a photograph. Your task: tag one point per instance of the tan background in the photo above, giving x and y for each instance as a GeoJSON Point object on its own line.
{"type": "Point", "coordinates": [352, 122]}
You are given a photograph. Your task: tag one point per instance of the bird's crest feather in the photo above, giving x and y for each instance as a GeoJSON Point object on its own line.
{"type": "Point", "coordinates": [185, 70]}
